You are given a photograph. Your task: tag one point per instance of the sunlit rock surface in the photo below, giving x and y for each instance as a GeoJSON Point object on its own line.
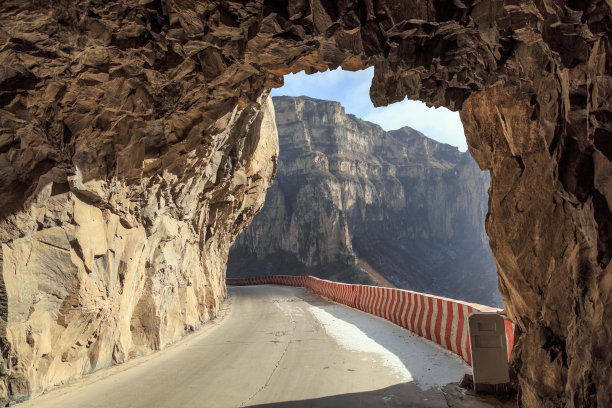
{"type": "Point", "coordinates": [120, 199]}
{"type": "Point", "coordinates": [347, 192]}
{"type": "Point", "coordinates": [99, 272]}
{"type": "Point", "coordinates": [130, 105]}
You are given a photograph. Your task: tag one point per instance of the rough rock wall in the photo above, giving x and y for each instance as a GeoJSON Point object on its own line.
{"type": "Point", "coordinates": [347, 192]}
{"type": "Point", "coordinates": [120, 198]}
{"type": "Point", "coordinates": [97, 273]}
{"type": "Point", "coordinates": [532, 79]}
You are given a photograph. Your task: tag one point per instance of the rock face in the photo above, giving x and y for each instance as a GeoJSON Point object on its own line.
{"type": "Point", "coordinates": [135, 104]}
{"type": "Point", "coordinates": [97, 272]}
{"type": "Point", "coordinates": [349, 196]}
{"type": "Point", "coordinates": [120, 199]}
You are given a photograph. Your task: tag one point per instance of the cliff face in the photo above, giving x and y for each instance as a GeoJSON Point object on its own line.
{"type": "Point", "coordinates": [98, 271]}
{"type": "Point", "coordinates": [96, 93]}
{"type": "Point", "coordinates": [119, 200]}
{"type": "Point", "coordinates": [349, 196]}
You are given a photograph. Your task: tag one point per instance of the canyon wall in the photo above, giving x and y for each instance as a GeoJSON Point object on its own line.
{"type": "Point", "coordinates": [119, 104]}
{"type": "Point", "coordinates": [119, 201]}
{"type": "Point", "coordinates": [350, 198]}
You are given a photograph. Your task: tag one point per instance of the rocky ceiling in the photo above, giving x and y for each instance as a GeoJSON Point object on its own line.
{"type": "Point", "coordinates": [148, 121]}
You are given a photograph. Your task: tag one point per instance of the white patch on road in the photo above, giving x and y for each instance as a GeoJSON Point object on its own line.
{"type": "Point", "coordinates": [286, 312]}
{"type": "Point", "coordinates": [410, 357]}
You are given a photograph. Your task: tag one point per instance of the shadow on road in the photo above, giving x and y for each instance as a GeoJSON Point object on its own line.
{"type": "Point", "coordinates": [401, 395]}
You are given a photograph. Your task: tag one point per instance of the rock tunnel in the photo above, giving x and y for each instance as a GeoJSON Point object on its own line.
{"type": "Point", "coordinates": [137, 139]}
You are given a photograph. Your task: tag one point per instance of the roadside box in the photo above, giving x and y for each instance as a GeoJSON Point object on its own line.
{"type": "Point", "coordinates": [489, 352]}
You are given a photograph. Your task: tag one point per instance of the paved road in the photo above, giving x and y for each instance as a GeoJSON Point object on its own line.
{"type": "Point", "coordinates": [280, 347]}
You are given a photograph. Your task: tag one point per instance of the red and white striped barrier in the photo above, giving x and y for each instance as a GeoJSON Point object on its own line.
{"type": "Point", "coordinates": [441, 320]}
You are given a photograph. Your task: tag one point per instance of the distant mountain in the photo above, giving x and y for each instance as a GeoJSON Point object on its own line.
{"type": "Point", "coordinates": [354, 203]}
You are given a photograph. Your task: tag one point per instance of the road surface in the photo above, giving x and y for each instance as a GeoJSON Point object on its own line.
{"type": "Point", "coordinates": [277, 346]}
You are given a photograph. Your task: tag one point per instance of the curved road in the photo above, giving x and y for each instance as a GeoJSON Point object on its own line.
{"type": "Point", "coordinates": [279, 346]}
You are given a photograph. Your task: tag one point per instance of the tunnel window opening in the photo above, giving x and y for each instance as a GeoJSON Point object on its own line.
{"type": "Point", "coordinates": [386, 196]}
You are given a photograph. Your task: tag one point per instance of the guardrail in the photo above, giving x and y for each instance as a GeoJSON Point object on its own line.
{"type": "Point", "coordinates": [441, 320]}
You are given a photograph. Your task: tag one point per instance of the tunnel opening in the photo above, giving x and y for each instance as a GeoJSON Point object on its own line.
{"type": "Point", "coordinates": [377, 201]}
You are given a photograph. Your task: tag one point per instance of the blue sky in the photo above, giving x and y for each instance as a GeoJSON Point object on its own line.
{"type": "Point", "coordinates": [352, 90]}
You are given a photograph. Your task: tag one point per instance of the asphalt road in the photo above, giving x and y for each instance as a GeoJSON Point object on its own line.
{"type": "Point", "coordinates": [278, 346]}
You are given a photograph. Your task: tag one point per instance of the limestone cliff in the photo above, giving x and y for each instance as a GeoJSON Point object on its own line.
{"type": "Point", "coordinates": [96, 93]}
{"type": "Point", "coordinates": [349, 196]}
{"type": "Point", "coordinates": [98, 271]}
{"type": "Point", "coordinates": [119, 202]}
